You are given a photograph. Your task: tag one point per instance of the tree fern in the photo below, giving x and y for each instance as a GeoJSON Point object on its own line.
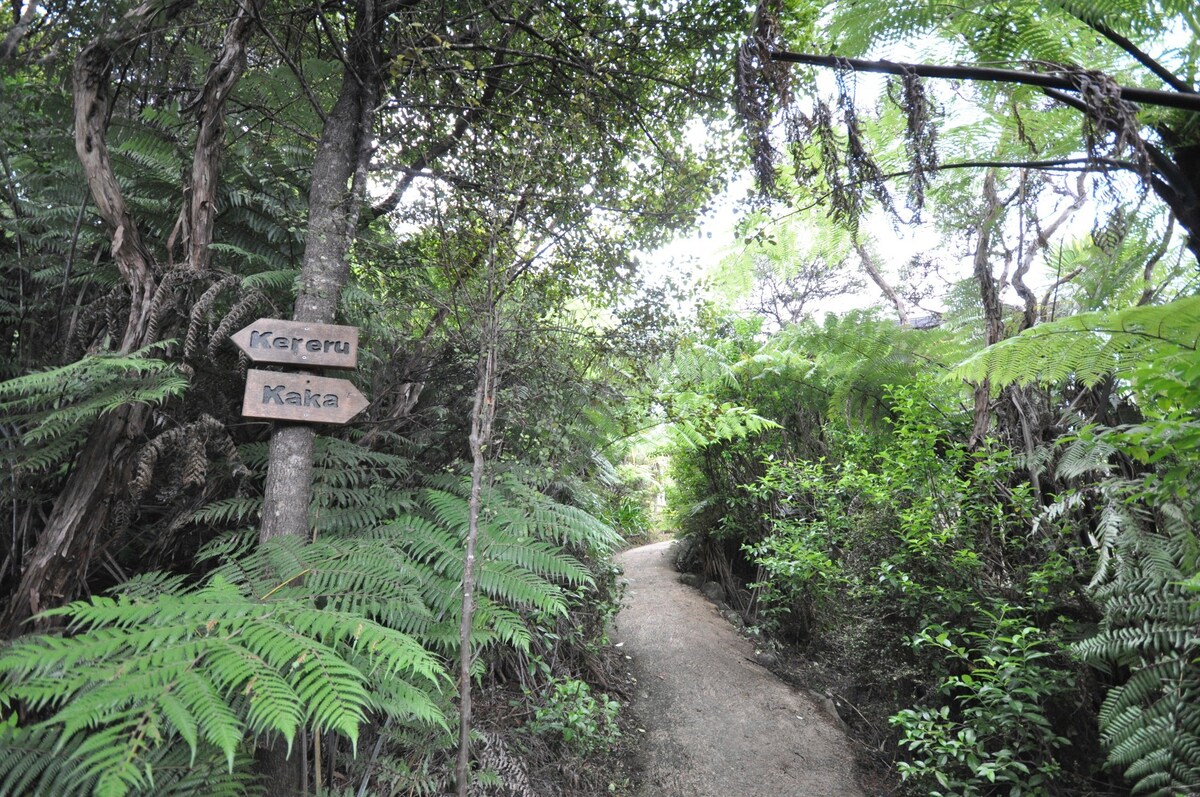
{"type": "Point", "coordinates": [1147, 550]}
{"type": "Point", "coordinates": [395, 553]}
{"type": "Point", "coordinates": [852, 361]}
{"type": "Point", "coordinates": [1089, 346]}
{"type": "Point", "coordinates": [212, 667]}
{"type": "Point", "coordinates": [525, 510]}
{"type": "Point", "coordinates": [54, 409]}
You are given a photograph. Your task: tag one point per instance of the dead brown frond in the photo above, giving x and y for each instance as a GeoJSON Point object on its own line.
{"type": "Point", "coordinates": [1110, 129]}
{"type": "Point", "coordinates": [920, 134]}
{"type": "Point", "coordinates": [762, 86]}
{"type": "Point", "coordinates": [200, 315]}
{"type": "Point", "coordinates": [239, 314]}
{"type": "Point", "coordinates": [862, 172]}
{"type": "Point", "coordinates": [187, 449]}
{"type": "Point", "coordinates": [495, 755]}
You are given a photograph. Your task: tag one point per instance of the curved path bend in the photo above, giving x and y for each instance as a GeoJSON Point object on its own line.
{"type": "Point", "coordinates": [717, 724]}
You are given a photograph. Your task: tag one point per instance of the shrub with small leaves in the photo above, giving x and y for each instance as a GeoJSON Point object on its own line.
{"type": "Point", "coordinates": [568, 711]}
{"type": "Point", "coordinates": [991, 736]}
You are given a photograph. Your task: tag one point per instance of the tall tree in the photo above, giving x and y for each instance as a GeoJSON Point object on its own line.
{"type": "Point", "coordinates": [53, 569]}
{"type": "Point", "coordinates": [336, 195]}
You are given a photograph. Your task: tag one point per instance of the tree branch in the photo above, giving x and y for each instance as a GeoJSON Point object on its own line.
{"type": "Point", "coordinates": [223, 75]}
{"type": "Point", "coordinates": [93, 67]}
{"type": "Point", "coordinates": [993, 310]}
{"type": "Point", "coordinates": [8, 48]}
{"type": "Point", "coordinates": [1148, 289]}
{"type": "Point", "coordinates": [1040, 241]}
{"type": "Point", "coordinates": [1141, 57]}
{"type": "Point", "coordinates": [461, 126]}
{"type": "Point", "coordinates": [872, 269]}
{"type": "Point", "coordinates": [1187, 101]}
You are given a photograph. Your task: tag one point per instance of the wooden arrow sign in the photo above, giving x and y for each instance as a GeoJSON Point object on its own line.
{"type": "Point", "coordinates": [272, 340]}
{"type": "Point", "coordinates": [300, 397]}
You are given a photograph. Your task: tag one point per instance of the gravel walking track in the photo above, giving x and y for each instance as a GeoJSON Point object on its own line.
{"type": "Point", "coordinates": [717, 724]}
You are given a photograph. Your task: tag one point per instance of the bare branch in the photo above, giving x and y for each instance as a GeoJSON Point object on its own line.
{"type": "Point", "coordinates": [989, 296]}
{"type": "Point", "coordinates": [1187, 101]}
{"type": "Point", "coordinates": [1148, 289]}
{"type": "Point", "coordinates": [1166, 75]}
{"type": "Point", "coordinates": [1040, 241]}
{"type": "Point", "coordinates": [8, 48]}
{"type": "Point", "coordinates": [872, 269]}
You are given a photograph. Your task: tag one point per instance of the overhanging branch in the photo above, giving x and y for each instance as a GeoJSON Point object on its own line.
{"type": "Point", "coordinates": [1166, 99]}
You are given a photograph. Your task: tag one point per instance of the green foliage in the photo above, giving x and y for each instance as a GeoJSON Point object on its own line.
{"type": "Point", "coordinates": [1090, 346]}
{"type": "Point", "coordinates": [1148, 643]}
{"type": "Point", "coordinates": [54, 409]}
{"type": "Point", "coordinates": [567, 711]}
{"type": "Point", "coordinates": [288, 635]}
{"type": "Point", "coordinates": [865, 521]}
{"type": "Point", "coordinates": [1150, 721]}
{"type": "Point", "coordinates": [883, 520]}
{"type": "Point", "coordinates": [602, 168]}
{"type": "Point", "coordinates": [992, 734]}
{"type": "Point", "coordinates": [1145, 522]}
{"type": "Point", "coordinates": [34, 765]}
{"type": "Point", "coordinates": [855, 358]}
{"type": "Point", "coordinates": [208, 668]}
{"type": "Point", "coordinates": [802, 575]}
{"type": "Point", "coordinates": [398, 556]}
{"type": "Point", "coordinates": [702, 421]}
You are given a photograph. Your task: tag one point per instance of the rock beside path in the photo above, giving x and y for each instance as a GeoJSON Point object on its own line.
{"type": "Point", "coordinates": [717, 724]}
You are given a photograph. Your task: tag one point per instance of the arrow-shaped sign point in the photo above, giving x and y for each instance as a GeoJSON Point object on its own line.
{"type": "Point", "coordinates": [274, 340]}
{"type": "Point", "coordinates": [300, 397]}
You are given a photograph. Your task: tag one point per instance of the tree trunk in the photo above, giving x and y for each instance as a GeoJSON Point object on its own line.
{"type": "Point", "coordinates": [57, 566]}
{"type": "Point", "coordinates": [989, 294]}
{"type": "Point", "coordinates": [222, 76]}
{"type": "Point", "coordinates": [482, 415]}
{"type": "Point", "coordinates": [335, 196]}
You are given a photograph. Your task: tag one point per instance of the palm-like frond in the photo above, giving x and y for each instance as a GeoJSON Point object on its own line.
{"type": "Point", "coordinates": [1089, 346]}
{"type": "Point", "coordinates": [211, 666]}
{"type": "Point", "coordinates": [1151, 722]}
{"type": "Point", "coordinates": [55, 408]}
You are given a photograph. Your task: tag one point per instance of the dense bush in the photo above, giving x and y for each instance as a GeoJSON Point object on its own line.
{"type": "Point", "coordinates": [951, 590]}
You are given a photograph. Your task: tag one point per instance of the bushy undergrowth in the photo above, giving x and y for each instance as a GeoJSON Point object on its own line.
{"type": "Point", "coordinates": [951, 592]}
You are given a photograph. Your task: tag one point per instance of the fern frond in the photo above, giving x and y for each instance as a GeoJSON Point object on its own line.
{"type": "Point", "coordinates": [701, 421]}
{"type": "Point", "coordinates": [35, 763]}
{"type": "Point", "coordinates": [208, 667]}
{"type": "Point", "coordinates": [1150, 723]}
{"type": "Point", "coordinates": [55, 408]}
{"type": "Point", "coordinates": [1089, 346]}
{"type": "Point", "coordinates": [1085, 456]}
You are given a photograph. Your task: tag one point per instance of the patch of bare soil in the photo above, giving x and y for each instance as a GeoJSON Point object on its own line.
{"type": "Point", "coordinates": [716, 723]}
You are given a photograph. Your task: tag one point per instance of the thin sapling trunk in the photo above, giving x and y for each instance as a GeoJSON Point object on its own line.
{"type": "Point", "coordinates": [482, 415]}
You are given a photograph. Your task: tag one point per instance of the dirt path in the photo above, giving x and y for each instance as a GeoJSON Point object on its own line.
{"type": "Point", "coordinates": [717, 724]}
